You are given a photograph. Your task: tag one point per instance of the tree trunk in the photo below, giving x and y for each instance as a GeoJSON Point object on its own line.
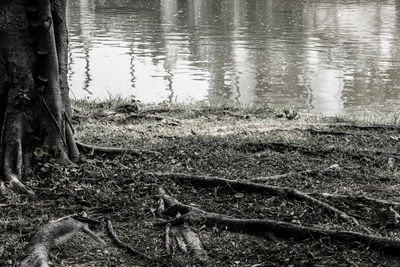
{"type": "Point", "coordinates": [34, 96]}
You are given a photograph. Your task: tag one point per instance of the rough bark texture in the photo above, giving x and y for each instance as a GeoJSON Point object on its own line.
{"type": "Point", "coordinates": [272, 229]}
{"type": "Point", "coordinates": [52, 234]}
{"type": "Point", "coordinates": [241, 185]}
{"type": "Point", "coordinates": [34, 103]}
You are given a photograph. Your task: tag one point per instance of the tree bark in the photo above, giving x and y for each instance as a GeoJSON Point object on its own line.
{"type": "Point", "coordinates": [34, 101]}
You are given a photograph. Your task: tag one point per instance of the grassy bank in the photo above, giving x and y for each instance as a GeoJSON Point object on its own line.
{"type": "Point", "coordinates": [228, 142]}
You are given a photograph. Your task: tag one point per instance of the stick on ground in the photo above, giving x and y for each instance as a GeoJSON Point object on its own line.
{"type": "Point", "coordinates": [121, 244]}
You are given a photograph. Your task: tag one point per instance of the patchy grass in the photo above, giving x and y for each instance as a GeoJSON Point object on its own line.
{"type": "Point", "coordinates": [226, 141]}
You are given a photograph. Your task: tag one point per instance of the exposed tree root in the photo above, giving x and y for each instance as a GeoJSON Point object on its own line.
{"type": "Point", "coordinates": [113, 150]}
{"type": "Point", "coordinates": [268, 178]}
{"type": "Point", "coordinates": [337, 133]}
{"type": "Point", "coordinates": [361, 199]}
{"type": "Point", "coordinates": [134, 113]}
{"type": "Point", "coordinates": [121, 244]}
{"type": "Point", "coordinates": [281, 147]}
{"type": "Point", "coordinates": [52, 234]}
{"type": "Point", "coordinates": [182, 237]}
{"type": "Point", "coordinates": [312, 128]}
{"type": "Point", "coordinates": [238, 185]}
{"type": "Point", "coordinates": [277, 229]}
{"type": "Point", "coordinates": [189, 241]}
{"type": "Point", "coordinates": [35, 96]}
{"type": "Point", "coordinates": [16, 185]}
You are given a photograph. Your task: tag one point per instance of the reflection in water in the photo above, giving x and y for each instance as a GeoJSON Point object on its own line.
{"type": "Point", "coordinates": [332, 57]}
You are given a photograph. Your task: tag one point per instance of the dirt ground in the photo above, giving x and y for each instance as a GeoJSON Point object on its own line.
{"type": "Point", "coordinates": [236, 143]}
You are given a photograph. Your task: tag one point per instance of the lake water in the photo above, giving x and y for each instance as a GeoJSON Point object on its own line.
{"type": "Point", "coordinates": [323, 56]}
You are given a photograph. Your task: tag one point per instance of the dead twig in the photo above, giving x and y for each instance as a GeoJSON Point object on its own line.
{"type": "Point", "coordinates": [121, 244]}
{"type": "Point", "coordinates": [278, 229]}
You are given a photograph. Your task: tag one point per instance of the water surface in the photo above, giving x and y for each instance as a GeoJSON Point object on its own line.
{"type": "Point", "coordinates": [323, 56]}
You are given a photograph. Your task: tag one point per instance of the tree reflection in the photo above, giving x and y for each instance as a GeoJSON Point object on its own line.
{"type": "Point", "coordinates": [327, 56]}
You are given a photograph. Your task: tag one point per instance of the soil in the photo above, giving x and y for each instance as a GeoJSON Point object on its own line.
{"type": "Point", "coordinates": [227, 142]}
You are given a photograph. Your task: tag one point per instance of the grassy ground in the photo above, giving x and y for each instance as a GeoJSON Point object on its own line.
{"type": "Point", "coordinates": [228, 142]}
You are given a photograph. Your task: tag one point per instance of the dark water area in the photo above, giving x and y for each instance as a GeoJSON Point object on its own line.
{"type": "Point", "coordinates": [321, 56]}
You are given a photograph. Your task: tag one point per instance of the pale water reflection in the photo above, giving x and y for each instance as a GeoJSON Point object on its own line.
{"type": "Point", "coordinates": [327, 56]}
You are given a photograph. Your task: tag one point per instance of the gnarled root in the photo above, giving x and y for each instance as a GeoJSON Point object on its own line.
{"type": "Point", "coordinates": [12, 154]}
{"type": "Point", "coordinates": [112, 150]}
{"type": "Point", "coordinates": [51, 234]}
{"type": "Point", "coordinates": [268, 178]}
{"type": "Point", "coordinates": [181, 236]}
{"type": "Point", "coordinates": [361, 198]}
{"type": "Point", "coordinates": [188, 241]}
{"type": "Point", "coordinates": [276, 229]}
{"type": "Point", "coordinates": [238, 185]}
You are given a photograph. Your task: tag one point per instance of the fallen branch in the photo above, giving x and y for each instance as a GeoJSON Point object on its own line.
{"type": "Point", "coordinates": [238, 185]}
{"type": "Point", "coordinates": [52, 234]}
{"type": "Point", "coordinates": [121, 244]}
{"type": "Point", "coordinates": [112, 150]}
{"type": "Point", "coordinates": [278, 229]}
{"type": "Point", "coordinates": [268, 178]}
